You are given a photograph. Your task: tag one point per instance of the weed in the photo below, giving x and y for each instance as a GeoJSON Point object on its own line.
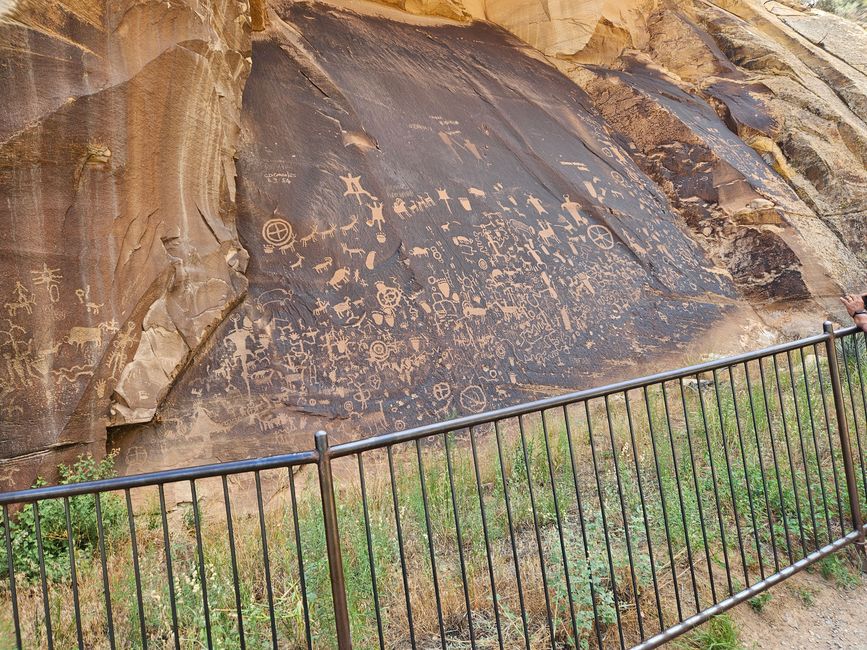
{"type": "Point", "coordinates": [836, 569]}
{"type": "Point", "coordinates": [807, 596]}
{"type": "Point", "coordinates": [720, 633]}
{"type": "Point", "coordinates": [52, 520]}
{"type": "Point", "coordinates": [758, 603]}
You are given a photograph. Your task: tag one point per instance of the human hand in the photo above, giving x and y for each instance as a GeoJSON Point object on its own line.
{"type": "Point", "coordinates": [852, 303]}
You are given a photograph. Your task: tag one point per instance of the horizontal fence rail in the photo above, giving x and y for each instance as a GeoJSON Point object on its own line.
{"type": "Point", "coordinates": [617, 517]}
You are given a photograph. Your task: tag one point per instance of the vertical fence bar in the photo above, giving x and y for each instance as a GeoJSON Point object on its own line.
{"type": "Point", "coordinates": [332, 542]}
{"type": "Point", "coordinates": [136, 569]}
{"type": "Point", "coordinates": [515, 559]}
{"type": "Point", "coordinates": [76, 606]}
{"type": "Point", "coordinates": [266, 559]}
{"type": "Point", "coordinates": [169, 573]}
{"type": "Point", "coordinates": [430, 544]}
{"type": "Point", "coordinates": [46, 604]}
{"type": "Point", "coordinates": [299, 551]}
{"type": "Point", "coordinates": [845, 446]}
{"type": "Point", "coordinates": [10, 566]}
{"type": "Point", "coordinates": [370, 554]}
{"type": "Point", "coordinates": [233, 556]}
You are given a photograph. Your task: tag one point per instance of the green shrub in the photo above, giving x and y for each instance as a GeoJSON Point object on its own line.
{"type": "Point", "coordinates": [835, 569]}
{"type": "Point", "coordinates": [720, 633]}
{"type": "Point", "coordinates": [52, 520]}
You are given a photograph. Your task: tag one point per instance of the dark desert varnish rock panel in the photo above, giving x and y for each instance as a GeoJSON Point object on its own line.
{"type": "Point", "coordinates": [438, 224]}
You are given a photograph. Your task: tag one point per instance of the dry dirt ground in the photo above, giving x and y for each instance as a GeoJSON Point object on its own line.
{"type": "Point", "coordinates": [807, 611]}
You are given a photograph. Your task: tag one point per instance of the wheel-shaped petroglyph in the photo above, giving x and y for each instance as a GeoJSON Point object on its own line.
{"type": "Point", "coordinates": [277, 232]}
{"type": "Point", "coordinates": [473, 399]}
{"type": "Point", "coordinates": [601, 236]}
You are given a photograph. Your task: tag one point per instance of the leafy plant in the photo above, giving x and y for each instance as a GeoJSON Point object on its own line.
{"type": "Point", "coordinates": [720, 633]}
{"type": "Point", "coordinates": [83, 524]}
{"type": "Point", "coordinates": [758, 603]}
{"type": "Point", "coordinates": [835, 569]}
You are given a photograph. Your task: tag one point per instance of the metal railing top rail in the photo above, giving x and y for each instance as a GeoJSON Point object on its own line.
{"type": "Point", "coordinates": [437, 428]}
{"type": "Point", "coordinates": [159, 478]}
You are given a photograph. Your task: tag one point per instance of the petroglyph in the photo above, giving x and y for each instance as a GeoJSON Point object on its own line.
{"type": "Point", "coordinates": [50, 279]}
{"type": "Point", "coordinates": [446, 272]}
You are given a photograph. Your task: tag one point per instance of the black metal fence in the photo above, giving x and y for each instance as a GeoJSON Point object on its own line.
{"type": "Point", "coordinates": [616, 517]}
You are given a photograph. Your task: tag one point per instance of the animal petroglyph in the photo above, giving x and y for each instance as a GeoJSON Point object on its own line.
{"type": "Point", "coordinates": [80, 337]}
{"type": "Point", "coordinates": [340, 278]}
{"type": "Point", "coordinates": [324, 265]}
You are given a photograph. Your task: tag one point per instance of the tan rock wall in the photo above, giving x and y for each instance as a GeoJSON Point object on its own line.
{"type": "Point", "coordinates": [120, 252]}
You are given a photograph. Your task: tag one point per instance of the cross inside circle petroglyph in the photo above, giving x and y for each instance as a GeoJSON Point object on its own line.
{"type": "Point", "coordinates": [277, 232]}
{"type": "Point", "coordinates": [601, 236]}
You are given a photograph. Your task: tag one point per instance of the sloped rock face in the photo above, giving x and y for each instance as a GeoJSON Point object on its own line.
{"type": "Point", "coordinates": [412, 258]}
{"type": "Point", "coordinates": [428, 216]}
{"type": "Point", "coordinates": [119, 253]}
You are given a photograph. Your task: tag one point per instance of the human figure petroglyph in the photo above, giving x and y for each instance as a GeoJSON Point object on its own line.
{"type": "Point", "coordinates": [240, 353]}
{"type": "Point", "coordinates": [50, 279]}
{"type": "Point", "coordinates": [574, 211]}
{"type": "Point", "coordinates": [537, 205]}
{"type": "Point", "coordinates": [354, 188]}
{"type": "Point", "coordinates": [122, 342]}
{"type": "Point", "coordinates": [24, 299]}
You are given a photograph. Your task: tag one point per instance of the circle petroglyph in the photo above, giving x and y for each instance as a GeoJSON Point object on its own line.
{"type": "Point", "coordinates": [441, 391]}
{"type": "Point", "coordinates": [388, 297]}
{"type": "Point", "coordinates": [378, 351]}
{"type": "Point", "coordinates": [277, 232]}
{"type": "Point", "coordinates": [601, 236]}
{"type": "Point", "coordinates": [473, 399]}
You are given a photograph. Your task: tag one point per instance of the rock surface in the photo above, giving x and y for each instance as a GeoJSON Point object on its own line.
{"type": "Point", "coordinates": [120, 253]}
{"type": "Point", "coordinates": [439, 207]}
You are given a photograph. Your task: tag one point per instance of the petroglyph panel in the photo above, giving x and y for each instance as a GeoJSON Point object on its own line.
{"type": "Point", "coordinates": [484, 250]}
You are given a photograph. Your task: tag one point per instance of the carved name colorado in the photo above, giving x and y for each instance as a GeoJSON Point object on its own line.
{"type": "Point", "coordinates": [484, 243]}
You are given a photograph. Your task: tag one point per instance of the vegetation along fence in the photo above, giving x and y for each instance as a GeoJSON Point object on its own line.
{"type": "Point", "coordinates": [620, 516]}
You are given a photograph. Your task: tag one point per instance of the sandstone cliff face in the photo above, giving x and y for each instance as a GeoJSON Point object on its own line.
{"type": "Point", "coordinates": [120, 253]}
{"type": "Point", "coordinates": [447, 206]}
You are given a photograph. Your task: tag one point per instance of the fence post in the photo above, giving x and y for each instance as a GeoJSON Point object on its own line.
{"type": "Point", "coordinates": [332, 542]}
{"type": "Point", "coordinates": [845, 444]}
